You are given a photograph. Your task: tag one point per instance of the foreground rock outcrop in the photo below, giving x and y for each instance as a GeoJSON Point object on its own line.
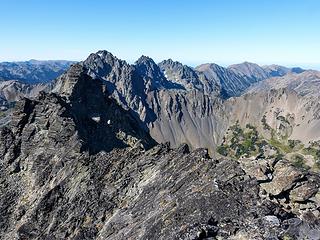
{"type": "Point", "coordinates": [76, 165]}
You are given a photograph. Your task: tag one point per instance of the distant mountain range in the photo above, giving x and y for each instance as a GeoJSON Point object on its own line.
{"type": "Point", "coordinates": [19, 79]}
{"type": "Point", "coordinates": [175, 102]}
{"type": "Point", "coordinates": [235, 79]}
{"type": "Point", "coordinates": [33, 71]}
{"type": "Point", "coordinates": [209, 78]}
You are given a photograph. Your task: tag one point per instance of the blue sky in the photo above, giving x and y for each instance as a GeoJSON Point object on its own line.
{"type": "Point", "coordinates": [226, 31]}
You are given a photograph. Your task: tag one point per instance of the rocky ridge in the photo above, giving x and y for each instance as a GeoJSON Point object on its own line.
{"type": "Point", "coordinates": [108, 179]}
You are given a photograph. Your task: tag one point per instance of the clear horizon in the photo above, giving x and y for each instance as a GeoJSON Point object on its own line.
{"type": "Point", "coordinates": [192, 32]}
{"type": "Point", "coordinates": [191, 64]}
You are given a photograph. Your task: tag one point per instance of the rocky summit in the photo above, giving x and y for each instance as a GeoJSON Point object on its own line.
{"type": "Point", "coordinates": [77, 162]}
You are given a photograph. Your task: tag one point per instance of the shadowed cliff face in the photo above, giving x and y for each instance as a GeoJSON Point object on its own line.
{"type": "Point", "coordinates": [67, 172]}
{"type": "Point", "coordinates": [97, 115]}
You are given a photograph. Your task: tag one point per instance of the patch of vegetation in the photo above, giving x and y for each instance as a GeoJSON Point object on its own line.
{"type": "Point", "coordinates": [280, 146]}
{"type": "Point", "coordinates": [223, 150]}
{"type": "Point", "coordinates": [312, 151]}
{"type": "Point", "coordinates": [283, 144]}
{"type": "Point", "coordinates": [242, 142]}
{"type": "Point", "coordinates": [246, 142]}
{"type": "Point", "coordinates": [279, 156]}
{"type": "Point", "coordinates": [298, 161]}
{"type": "Point", "coordinates": [264, 123]}
{"type": "Point", "coordinates": [315, 144]}
{"type": "Point", "coordinates": [287, 237]}
{"type": "Point", "coordinates": [2, 114]}
{"type": "Point", "coordinates": [295, 144]}
{"type": "Point", "coordinates": [316, 166]}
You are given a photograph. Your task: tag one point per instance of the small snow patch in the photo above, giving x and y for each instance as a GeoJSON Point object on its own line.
{"type": "Point", "coordinates": [96, 119]}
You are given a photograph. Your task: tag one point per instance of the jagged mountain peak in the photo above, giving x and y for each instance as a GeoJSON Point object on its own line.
{"type": "Point", "coordinates": [177, 68]}
{"type": "Point", "coordinates": [172, 64]}
{"type": "Point", "coordinates": [105, 54]}
{"type": "Point", "coordinates": [65, 84]}
{"type": "Point", "coordinates": [229, 82]}
{"type": "Point", "coordinates": [152, 75]}
{"type": "Point", "coordinates": [246, 67]}
{"type": "Point", "coordinates": [169, 60]}
{"type": "Point", "coordinates": [103, 60]}
{"type": "Point", "coordinates": [145, 59]}
{"type": "Point", "coordinates": [273, 66]}
{"type": "Point", "coordinates": [146, 66]}
{"type": "Point", "coordinates": [275, 70]}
